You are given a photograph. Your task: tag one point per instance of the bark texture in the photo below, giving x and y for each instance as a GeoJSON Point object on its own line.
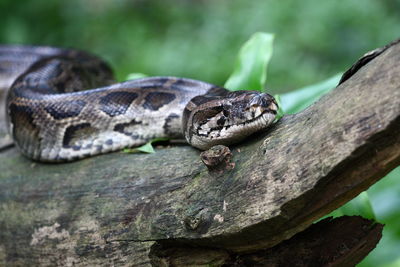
{"type": "Point", "coordinates": [111, 209]}
{"type": "Point", "coordinates": [339, 242]}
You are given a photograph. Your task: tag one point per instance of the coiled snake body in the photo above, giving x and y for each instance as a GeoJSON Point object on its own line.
{"type": "Point", "coordinates": [52, 116]}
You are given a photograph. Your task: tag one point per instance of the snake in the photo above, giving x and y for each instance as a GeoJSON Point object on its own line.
{"type": "Point", "coordinates": [64, 104]}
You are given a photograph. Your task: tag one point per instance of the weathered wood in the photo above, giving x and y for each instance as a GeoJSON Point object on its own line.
{"type": "Point", "coordinates": [110, 209]}
{"type": "Point", "coordinates": [341, 242]}
{"type": "Point", "coordinates": [344, 241]}
{"type": "Point", "coordinates": [5, 138]}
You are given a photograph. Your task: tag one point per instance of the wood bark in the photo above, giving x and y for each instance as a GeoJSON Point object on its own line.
{"type": "Point", "coordinates": [111, 209]}
{"type": "Point", "coordinates": [340, 242]}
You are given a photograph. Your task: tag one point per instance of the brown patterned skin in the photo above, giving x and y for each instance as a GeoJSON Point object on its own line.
{"type": "Point", "coordinates": [54, 116]}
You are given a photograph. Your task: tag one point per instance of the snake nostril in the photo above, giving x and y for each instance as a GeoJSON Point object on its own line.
{"type": "Point", "coordinates": [265, 102]}
{"type": "Point", "coordinates": [274, 106]}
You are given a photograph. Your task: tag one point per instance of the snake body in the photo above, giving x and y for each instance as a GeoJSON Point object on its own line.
{"type": "Point", "coordinates": [54, 115]}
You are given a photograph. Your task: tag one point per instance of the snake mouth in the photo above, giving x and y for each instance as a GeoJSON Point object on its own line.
{"type": "Point", "coordinates": [231, 134]}
{"type": "Point", "coordinates": [227, 134]}
{"type": "Point", "coordinates": [249, 126]}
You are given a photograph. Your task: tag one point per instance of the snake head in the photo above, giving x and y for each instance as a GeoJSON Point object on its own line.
{"type": "Point", "coordinates": [231, 118]}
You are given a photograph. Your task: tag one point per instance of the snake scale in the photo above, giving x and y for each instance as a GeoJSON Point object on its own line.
{"type": "Point", "coordinates": [64, 104]}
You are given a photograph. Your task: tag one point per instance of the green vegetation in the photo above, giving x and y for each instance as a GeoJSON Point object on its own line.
{"type": "Point", "coordinates": [200, 38]}
{"type": "Point", "coordinates": [314, 40]}
{"type": "Point", "coordinates": [251, 65]}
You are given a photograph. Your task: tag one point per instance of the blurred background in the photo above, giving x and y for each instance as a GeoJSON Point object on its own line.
{"type": "Point", "coordinates": [199, 39]}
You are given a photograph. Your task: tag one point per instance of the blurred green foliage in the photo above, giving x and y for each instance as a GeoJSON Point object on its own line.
{"type": "Point", "coordinates": [199, 39]}
{"type": "Point", "coordinates": [250, 69]}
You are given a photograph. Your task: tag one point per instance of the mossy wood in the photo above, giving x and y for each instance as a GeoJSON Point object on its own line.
{"type": "Point", "coordinates": [111, 209]}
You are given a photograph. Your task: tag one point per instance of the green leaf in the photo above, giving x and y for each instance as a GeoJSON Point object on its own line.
{"type": "Point", "coordinates": [251, 65]}
{"type": "Point", "coordinates": [133, 76]}
{"type": "Point", "coordinates": [299, 99]}
{"type": "Point", "coordinates": [280, 112]}
{"type": "Point", "coordinates": [146, 148]}
{"type": "Point", "coordinates": [395, 263]}
{"type": "Point", "coordinates": [361, 205]}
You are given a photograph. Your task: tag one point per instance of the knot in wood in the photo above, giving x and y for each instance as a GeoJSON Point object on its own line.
{"type": "Point", "coordinates": [198, 221]}
{"type": "Point", "coordinates": [192, 222]}
{"type": "Point", "coordinates": [217, 158]}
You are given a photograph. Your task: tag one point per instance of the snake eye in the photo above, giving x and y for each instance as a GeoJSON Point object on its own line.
{"type": "Point", "coordinates": [225, 112]}
{"type": "Point", "coordinates": [221, 121]}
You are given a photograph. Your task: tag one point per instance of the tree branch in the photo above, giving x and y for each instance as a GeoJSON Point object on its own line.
{"type": "Point", "coordinates": [109, 209]}
{"type": "Point", "coordinates": [339, 242]}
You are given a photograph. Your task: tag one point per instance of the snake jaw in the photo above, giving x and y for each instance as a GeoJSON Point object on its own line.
{"type": "Point", "coordinates": [227, 135]}
{"type": "Point", "coordinates": [247, 113]}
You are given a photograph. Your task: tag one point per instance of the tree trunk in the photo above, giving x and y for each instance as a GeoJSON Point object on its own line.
{"type": "Point", "coordinates": [128, 209]}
